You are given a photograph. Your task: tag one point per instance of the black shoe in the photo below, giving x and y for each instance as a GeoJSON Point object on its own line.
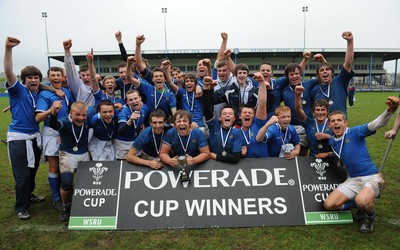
{"type": "Point", "coordinates": [64, 216]}
{"type": "Point", "coordinates": [37, 199]}
{"type": "Point", "coordinates": [23, 215]}
{"type": "Point", "coordinates": [358, 215]}
{"type": "Point", "coordinates": [368, 225]}
{"type": "Point", "coordinates": [4, 141]}
{"type": "Point", "coordinates": [58, 205]}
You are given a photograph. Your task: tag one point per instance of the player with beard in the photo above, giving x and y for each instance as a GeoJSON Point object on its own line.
{"type": "Point", "coordinates": [145, 149]}
{"type": "Point", "coordinates": [281, 137]}
{"type": "Point", "coordinates": [105, 129]}
{"type": "Point", "coordinates": [47, 101]}
{"type": "Point", "coordinates": [23, 137]}
{"type": "Point", "coordinates": [364, 182]}
{"type": "Point", "coordinates": [252, 123]}
{"type": "Point", "coordinates": [182, 140]}
{"type": "Point", "coordinates": [225, 140]}
{"type": "Point", "coordinates": [334, 89]}
{"type": "Point", "coordinates": [130, 122]}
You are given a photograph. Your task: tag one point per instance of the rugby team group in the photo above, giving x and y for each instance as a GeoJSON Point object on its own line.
{"type": "Point", "coordinates": [152, 117]}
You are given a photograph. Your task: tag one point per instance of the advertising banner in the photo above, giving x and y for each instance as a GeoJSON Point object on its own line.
{"type": "Point", "coordinates": [254, 192]}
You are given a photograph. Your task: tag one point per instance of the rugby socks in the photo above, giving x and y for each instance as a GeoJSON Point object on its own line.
{"type": "Point", "coordinates": [371, 214]}
{"type": "Point", "coordinates": [350, 204]}
{"type": "Point", "coordinates": [67, 207]}
{"type": "Point", "coordinates": [55, 182]}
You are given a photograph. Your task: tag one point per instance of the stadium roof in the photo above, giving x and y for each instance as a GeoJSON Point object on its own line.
{"type": "Point", "coordinates": [385, 53]}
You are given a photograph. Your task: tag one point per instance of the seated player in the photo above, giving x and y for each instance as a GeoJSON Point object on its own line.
{"type": "Point", "coordinates": [364, 182]}
{"type": "Point", "coordinates": [184, 141]}
{"type": "Point", "coordinates": [145, 149]}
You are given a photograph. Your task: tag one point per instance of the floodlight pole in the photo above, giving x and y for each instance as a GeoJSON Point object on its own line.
{"type": "Point", "coordinates": [305, 10]}
{"type": "Point", "coordinates": [44, 15]}
{"type": "Point", "coordinates": [395, 74]}
{"type": "Point", "coordinates": [164, 11]}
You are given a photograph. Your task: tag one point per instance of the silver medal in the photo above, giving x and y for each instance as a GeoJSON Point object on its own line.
{"type": "Point", "coordinates": [75, 149]}
{"type": "Point", "coordinates": [224, 153]}
{"type": "Point", "coordinates": [303, 102]}
{"type": "Point", "coordinates": [330, 102]}
{"type": "Point", "coordinates": [320, 146]}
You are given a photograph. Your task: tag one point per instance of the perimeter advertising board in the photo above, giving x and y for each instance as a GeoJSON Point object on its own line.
{"type": "Point", "coordinates": [254, 192]}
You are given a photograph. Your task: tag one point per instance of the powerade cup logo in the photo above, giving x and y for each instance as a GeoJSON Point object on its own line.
{"type": "Point", "coordinates": [320, 168]}
{"type": "Point", "coordinates": [98, 172]}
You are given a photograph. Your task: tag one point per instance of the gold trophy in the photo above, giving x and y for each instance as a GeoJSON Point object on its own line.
{"type": "Point", "coordinates": [184, 177]}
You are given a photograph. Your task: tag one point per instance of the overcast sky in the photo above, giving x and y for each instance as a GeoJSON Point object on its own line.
{"type": "Point", "coordinates": [195, 25]}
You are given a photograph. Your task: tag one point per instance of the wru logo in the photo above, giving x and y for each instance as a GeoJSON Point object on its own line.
{"type": "Point", "coordinates": [98, 171]}
{"type": "Point", "coordinates": [320, 168]}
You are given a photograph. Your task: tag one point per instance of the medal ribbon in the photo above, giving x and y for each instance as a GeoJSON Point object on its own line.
{"type": "Point", "coordinates": [109, 98]}
{"type": "Point", "coordinates": [73, 132]}
{"type": "Point", "coordinates": [155, 98]}
{"type": "Point", "coordinates": [280, 129]}
{"type": "Point", "coordinates": [112, 132]}
{"type": "Point", "coordinates": [187, 143]}
{"type": "Point", "coordinates": [301, 84]}
{"type": "Point", "coordinates": [329, 91]}
{"type": "Point", "coordinates": [155, 142]}
{"type": "Point", "coordinates": [323, 128]}
{"type": "Point", "coordinates": [244, 135]}
{"type": "Point", "coordinates": [341, 145]}
{"type": "Point", "coordinates": [222, 137]}
{"type": "Point", "coordinates": [135, 121]}
{"type": "Point", "coordinates": [34, 104]}
{"type": "Point", "coordinates": [187, 99]}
